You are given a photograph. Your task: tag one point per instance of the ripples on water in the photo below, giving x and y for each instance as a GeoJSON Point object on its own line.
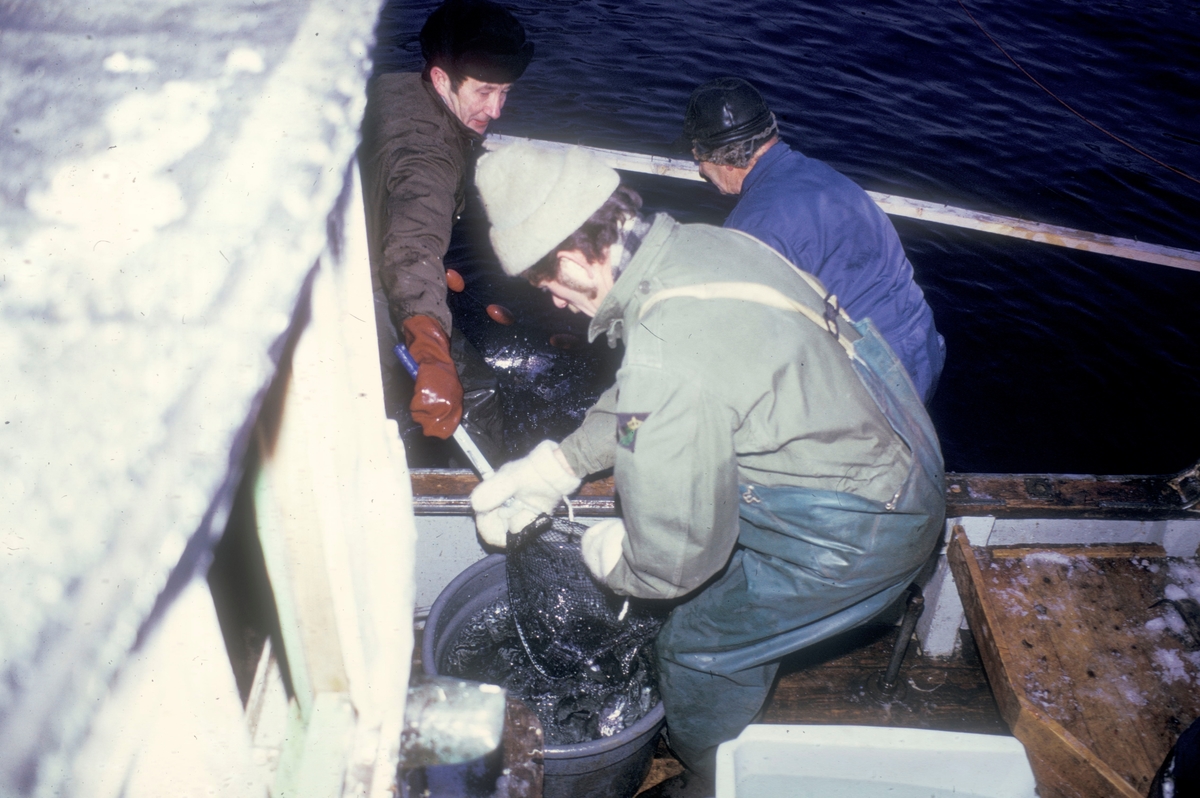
{"type": "Point", "coordinates": [1058, 361]}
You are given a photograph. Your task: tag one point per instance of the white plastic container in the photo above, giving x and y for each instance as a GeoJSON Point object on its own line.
{"type": "Point", "coordinates": [871, 762]}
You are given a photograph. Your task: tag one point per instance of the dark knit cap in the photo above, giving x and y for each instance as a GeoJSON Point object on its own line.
{"type": "Point", "coordinates": [476, 39]}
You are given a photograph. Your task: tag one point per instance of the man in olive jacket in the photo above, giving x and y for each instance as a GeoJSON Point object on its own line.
{"type": "Point", "coordinates": [420, 135]}
{"type": "Point", "coordinates": [778, 474]}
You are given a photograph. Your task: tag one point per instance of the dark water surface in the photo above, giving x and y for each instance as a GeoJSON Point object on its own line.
{"type": "Point", "coordinates": [1058, 361]}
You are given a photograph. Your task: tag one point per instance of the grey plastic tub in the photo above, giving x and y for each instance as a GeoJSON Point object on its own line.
{"type": "Point", "coordinates": [612, 767]}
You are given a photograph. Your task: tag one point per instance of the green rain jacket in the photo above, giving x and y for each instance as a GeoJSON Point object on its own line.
{"type": "Point", "coordinates": [712, 393]}
{"type": "Point", "coordinates": [415, 159]}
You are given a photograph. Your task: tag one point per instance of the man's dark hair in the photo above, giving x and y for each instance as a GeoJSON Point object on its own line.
{"type": "Point", "coordinates": [475, 39]}
{"type": "Point", "coordinates": [593, 238]}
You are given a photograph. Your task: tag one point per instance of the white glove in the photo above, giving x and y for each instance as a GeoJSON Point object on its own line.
{"type": "Point", "coordinates": [601, 546]}
{"type": "Point", "coordinates": [493, 526]}
{"type": "Point", "coordinates": [520, 491]}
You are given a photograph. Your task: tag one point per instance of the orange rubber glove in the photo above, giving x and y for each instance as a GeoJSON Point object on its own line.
{"type": "Point", "coordinates": [437, 399]}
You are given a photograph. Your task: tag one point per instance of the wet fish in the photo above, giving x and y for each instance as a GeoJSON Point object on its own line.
{"type": "Point", "coordinates": [602, 700]}
{"type": "Point", "coordinates": [612, 715]}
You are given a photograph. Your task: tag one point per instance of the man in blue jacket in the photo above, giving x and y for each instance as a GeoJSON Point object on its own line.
{"type": "Point", "coordinates": [816, 217]}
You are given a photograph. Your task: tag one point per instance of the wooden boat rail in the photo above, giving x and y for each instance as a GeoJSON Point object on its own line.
{"type": "Point", "coordinates": [923, 210]}
{"type": "Point", "coordinates": [1142, 498]}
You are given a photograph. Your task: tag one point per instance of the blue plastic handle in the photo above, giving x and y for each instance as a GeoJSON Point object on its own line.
{"type": "Point", "coordinates": [406, 359]}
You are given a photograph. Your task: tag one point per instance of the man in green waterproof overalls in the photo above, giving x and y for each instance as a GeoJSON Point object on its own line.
{"type": "Point", "coordinates": [777, 472]}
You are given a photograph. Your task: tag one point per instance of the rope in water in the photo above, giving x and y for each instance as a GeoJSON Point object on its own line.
{"type": "Point", "coordinates": [1064, 104]}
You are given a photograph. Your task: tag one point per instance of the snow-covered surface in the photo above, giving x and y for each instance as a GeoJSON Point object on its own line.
{"type": "Point", "coordinates": [167, 170]}
{"type": "Point", "coordinates": [943, 617]}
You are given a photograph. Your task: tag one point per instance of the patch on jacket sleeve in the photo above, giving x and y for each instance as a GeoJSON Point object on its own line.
{"type": "Point", "coordinates": [627, 427]}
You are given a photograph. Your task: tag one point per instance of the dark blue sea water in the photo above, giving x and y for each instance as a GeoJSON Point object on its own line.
{"type": "Point", "coordinates": [1058, 361]}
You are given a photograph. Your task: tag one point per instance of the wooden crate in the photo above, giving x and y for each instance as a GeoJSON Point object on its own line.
{"type": "Point", "coordinates": [1096, 694]}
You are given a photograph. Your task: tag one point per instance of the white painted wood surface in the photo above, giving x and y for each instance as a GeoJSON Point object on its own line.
{"type": "Point", "coordinates": [267, 714]}
{"type": "Point", "coordinates": [446, 546]}
{"type": "Point", "coordinates": [914, 209]}
{"type": "Point", "coordinates": [937, 628]}
{"type": "Point", "coordinates": [206, 175]}
{"type": "Point", "coordinates": [172, 723]}
{"type": "Point", "coordinates": [333, 498]}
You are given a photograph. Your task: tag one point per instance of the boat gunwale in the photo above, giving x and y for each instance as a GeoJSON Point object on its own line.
{"type": "Point", "coordinates": [446, 491]}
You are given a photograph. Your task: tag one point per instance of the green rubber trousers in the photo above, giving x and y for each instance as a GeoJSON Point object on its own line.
{"type": "Point", "coordinates": [809, 564]}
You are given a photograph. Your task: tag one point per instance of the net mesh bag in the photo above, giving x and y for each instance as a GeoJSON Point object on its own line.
{"type": "Point", "coordinates": [567, 621]}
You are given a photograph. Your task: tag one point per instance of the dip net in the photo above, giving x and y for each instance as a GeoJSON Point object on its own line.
{"type": "Point", "coordinates": [578, 655]}
{"type": "Point", "coordinates": [566, 619]}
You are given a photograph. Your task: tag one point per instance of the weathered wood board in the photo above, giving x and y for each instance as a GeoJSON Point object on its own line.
{"type": "Point", "coordinates": [439, 491]}
{"type": "Point", "coordinates": [951, 694]}
{"type": "Point", "coordinates": [1090, 674]}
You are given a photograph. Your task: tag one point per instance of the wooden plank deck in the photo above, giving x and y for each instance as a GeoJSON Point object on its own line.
{"type": "Point", "coordinates": [1093, 676]}
{"type": "Point", "coordinates": [826, 684]}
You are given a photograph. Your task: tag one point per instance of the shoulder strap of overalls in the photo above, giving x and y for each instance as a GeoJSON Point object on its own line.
{"type": "Point", "coordinates": [763, 295]}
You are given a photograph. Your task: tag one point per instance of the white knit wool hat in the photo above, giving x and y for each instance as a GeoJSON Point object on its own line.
{"type": "Point", "coordinates": [536, 197]}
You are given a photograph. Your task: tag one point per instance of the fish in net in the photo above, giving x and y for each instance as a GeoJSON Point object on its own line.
{"type": "Point", "coordinates": [565, 618]}
{"type": "Point", "coordinates": [575, 653]}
